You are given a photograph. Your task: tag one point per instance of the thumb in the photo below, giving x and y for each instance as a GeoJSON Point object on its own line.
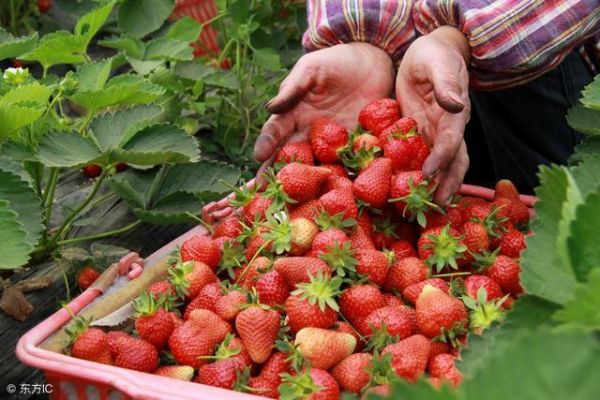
{"type": "Point", "coordinates": [292, 89]}
{"type": "Point", "coordinates": [450, 84]}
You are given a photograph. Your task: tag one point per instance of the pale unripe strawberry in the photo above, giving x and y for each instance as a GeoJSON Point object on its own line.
{"type": "Point", "coordinates": [303, 233]}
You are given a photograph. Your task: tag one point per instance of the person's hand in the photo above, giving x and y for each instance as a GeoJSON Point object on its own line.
{"type": "Point", "coordinates": [336, 82]}
{"type": "Point", "coordinates": [432, 87]}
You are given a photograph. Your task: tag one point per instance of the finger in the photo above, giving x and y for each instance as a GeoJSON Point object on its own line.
{"type": "Point", "coordinates": [274, 131]}
{"type": "Point", "coordinates": [447, 141]}
{"type": "Point", "coordinates": [450, 83]}
{"type": "Point", "coordinates": [292, 89]}
{"type": "Point", "coordinates": [260, 175]}
{"type": "Point", "coordinates": [452, 178]}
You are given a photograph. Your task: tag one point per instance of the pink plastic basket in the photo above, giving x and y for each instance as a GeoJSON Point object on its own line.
{"type": "Point", "coordinates": [72, 378]}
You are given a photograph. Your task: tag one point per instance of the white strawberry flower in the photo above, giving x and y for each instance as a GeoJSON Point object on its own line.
{"type": "Point", "coordinates": [16, 76]}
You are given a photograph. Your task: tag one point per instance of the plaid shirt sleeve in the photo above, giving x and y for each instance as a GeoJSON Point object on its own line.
{"type": "Point", "coordinates": [386, 24]}
{"type": "Point", "coordinates": [511, 41]}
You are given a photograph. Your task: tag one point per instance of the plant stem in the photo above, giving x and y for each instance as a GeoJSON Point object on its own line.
{"type": "Point", "coordinates": [114, 232]}
{"type": "Point", "coordinates": [48, 199]}
{"type": "Point", "coordinates": [450, 274]}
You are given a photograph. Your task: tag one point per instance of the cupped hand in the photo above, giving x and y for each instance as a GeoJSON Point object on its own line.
{"type": "Point", "coordinates": [336, 82]}
{"type": "Point", "coordinates": [432, 87]}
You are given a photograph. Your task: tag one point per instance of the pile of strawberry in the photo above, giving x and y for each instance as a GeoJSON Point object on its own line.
{"type": "Point", "coordinates": [339, 274]}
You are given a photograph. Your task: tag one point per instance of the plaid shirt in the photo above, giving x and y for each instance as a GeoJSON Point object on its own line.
{"type": "Point", "coordinates": [511, 41]}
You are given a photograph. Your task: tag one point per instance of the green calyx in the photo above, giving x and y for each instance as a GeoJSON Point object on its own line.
{"type": "Point", "coordinates": [322, 290]}
{"type": "Point", "coordinates": [418, 202]}
{"type": "Point", "coordinates": [398, 134]}
{"type": "Point", "coordinates": [241, 382]}
{"type": "Point", "coordinates": [279, 232]}
{"type": "Point", "coordinates": [340, 258]}
{"type": "Point", "coordinates": [483, 313]}
{"type": "Point", "coordinates": [446, 249]}
{"type": "Point", "coordinates": [492, 222]}
{"type": "Point", "coordinates": [380, 370]}
{"type": "Point", "coordinates": [380, 338]}
{"type": "Point", "coordinates": [233, 257]}
{"type": "Point", "coordinates": [243, 195]}
{"type": "Point", "coordinates": [295, 359]}
{"type": "Point", "coordinates": [147, 304]}
{"type": "Point", "coordinates": [297, 386]}
{"type": "Point", "coordinates": [386, 226]}
{"type": "Point", "coordinates": [178, 277]}
{"type": "Point", "coordinates": [326, 221]}
{"type": "Point", "coordinates": [358, 160]}
{"type": "Point", "coordinates": [224, 351]}
{"type": "Point", "coordinates": [484, 259]}
{"type": "Point", "coordinates": [275, 192]}
{"type": "Point", "coordinates": [79, 326]}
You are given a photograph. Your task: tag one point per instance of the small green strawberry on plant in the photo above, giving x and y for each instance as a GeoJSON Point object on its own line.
{"type": "Point", "coordinates": [483, 311]}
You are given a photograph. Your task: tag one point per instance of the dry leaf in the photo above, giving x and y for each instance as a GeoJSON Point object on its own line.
{"type": "Point", "coordinates": [14, 304]}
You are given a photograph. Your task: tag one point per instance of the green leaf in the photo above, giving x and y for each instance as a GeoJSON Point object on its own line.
{"type": "Point", "coordinates": [201, 179]}
{"type": "Point", "coordinates": [64, 149]}
{"type": "Point", "coordinates": [93, 76]}
{"type": "Point", "coordinates": [186, 29]}
{"type": "Point", "coordinates": [193, 70]}
{"type": "Point", "coordinates": [544, 273]}
{"type": "Point", "coordinates": [224, 79]}
{"type": "Point", "coordinates": [172, 209]}
{"type": "Point", "coordinates": [144, 67]}
{"type": "Point", "coordinates": [583, 241]}
{"type": "Point", "coordinates": [168, 49]}
{"type": "Point", "coordinates": [584, 120]}
{"type": "Point", "coordinates": [32, 94]}
{"type": "Point", "coordinates": [591, 94]}
{"type": "Point", "coordinates": [17, 151]}
{"type": "Point", "coordinates": [22, 200]}
{"type": "Point", "coordinates": [133, 186]}
{"type": "Point", "coordinates": [15, 249]}
{"type": "Point", "coordinates": [13, 117]}
{"type": "Point", "coordinates": [131, 46]}
{"type": "Point", "coordinates": [140, 17]}
{"type": "Point", "coordinates": [421, 390]}
{"type": "Point", "coordinates": [586, 174]}
{"type": "Point", "coordinates": [90, 23]}
{"type": "Point", "coordinates": [12, 165]}
{"type": "Point", "coordinates": [572, 201]}
{"type": "Point", "coordinates": [12, 47]}
{"type": "Point", "coordinates": [588, 148]}
{"type": "Point", "coordinates": [268, 59]}
{"type": "Point", "coordinates": [584, 311]}
{"type": "Point", "coordinates": [60, 47]}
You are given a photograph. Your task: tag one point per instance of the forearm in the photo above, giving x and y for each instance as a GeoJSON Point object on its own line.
{"type": "Point", "coordinates": [385, 24]}
{"type": "Point", "coordinates": [511, 42]}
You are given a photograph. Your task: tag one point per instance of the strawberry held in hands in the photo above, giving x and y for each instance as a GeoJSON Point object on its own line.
{"type": "Point", "coordinates": [302, 182]}
{"type": "Point", "coordinates": [407, 150]}
{"type": "Point", "coordinates": [295, 152]}
{"type": "Point", "coordinates": [327, 140]}
{"type": "Point", "coordinates": [372, 186]}
{"type": "Point", "coordinates": [378, 115]}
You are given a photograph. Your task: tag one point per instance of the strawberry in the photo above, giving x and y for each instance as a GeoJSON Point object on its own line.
{"type": "Point", "coordinates": [201, 248]}
{"type": "Point", "coordinates": [196, 338]}
{"type": "Point", "coordinates": [365, 141]}
{"type": "Point", "coordinates": [303, 232]}
{"type": "Point", "coordinates": [295, 270]}
{"type": "Point", "coordinates": [437, 348]}
{"type": "Point", "coordinates": [474, 282]}
{"type": "Point", "coordinates": [407, 151]}
{"type": "Point", "coordinates": [231, 359]}
{"type": "Point", "coordinates": [190, 277]}
{"type": "Point", "coordinates": [275, 365]}
{"type": "Point", "coordinates": [519, 213]}
{"type": "Point", "coordinates": [309, 210]}
{"type": "Point", "coordinates": [271, 288]}
{"type": "Point", "coordinates": [438, 313]}
{"type": "Point", "coordinates": [111, 338]}
{"type": "Point", "coordinates": [249, 275]}
{"type": "Point", "coordinates": [505, 188]}
{"type": "Point", "coordinates": [405, 272]}
{"type": "Point", "coordinates": [372, 186]}
{"type": "Point", "coordinates": [254, 205]}
{"type": "Point", "coordinates": [441, 247]}
{"type": "Point", "coordinates": [292, 236]}
{"type": "Point", "coordinates": [340, 201]}
{"type": "Point", "coordinates": [351, 372]}
{"type": "Point", "coordinates": [302, 182]}
{"type": "Point", "coordinates": [206, 299]}
{"type": "Point", "coordinates": [229, 227]}
{"type": "Point", "coordinates": [505, 271]}
{"type": "Point", "coordinates": [475, 238]}
{"type": "Point", "coordinates": [442, 366]}
{"type": "Point", "coordinates": [229, 305]}
{"type": "Point", "coordinates": [86, 276]}
{"type": "Point", "coordinates": [402, 249]}
{"type": "Point", "coordinates": [512, 243]}
{"type": "Point", "coordinates": [412, 195]}
{"type": "Point", "coordinates": [378, 115]}
{"type": "Point", "coordinates": [164, 288]}
{"type": "Point", "coordinates": [361, 239]}
{"type": "Point", "coordinates": [44, 6]}
{"type": "Point", "coordinates": [403, 126]}
{"type": "Point", "coordinates": [295, 152]}
{"type": "Point", "coordinates": [121, 166]}
{"type": "Point", "coordinates": [92, 170]}
{"type": "Point", "coordinates": [409, 356]}
{"type": "Point", "coordinates": [372, 263]}
{"type": "Point", "coordinates": [412, 292]}
{"type": "Point", "coordinates": [393, 321]}
{"type": "Point", "coordinates": [379, 390]}
{"type": "Point", "coordinates": [152, 322]}
{"type": "Point", "coordinates": [313, 304]}
{"type": "Point", "coordinates": [181, 372]}
{"type": "Point", "coordinates": [477, 212]}
{"type": "Point", "coordinates": [393, 300]}
{"type": "Point", "coordinates": [269, 379]}
{"type": "Point", "coordinates": [328, 238]}
{"type": "Point", "coordinates": [324, 348]}
{"type": "Point", "coordinates": [337, 182]}
{"type": "Point", "coordinates": [384, 233]}
{"type": "Point", "coordinates": [89, 343]}
{"type": "Point", "coordinates": [258, 329]}
{"type": "Point", "coordinates": [258, 243]}
{"type": "Point", "coordinates": [264, 386]}
{"type": "Point", "coordinates": [341, 326]}
{"type": "Point", "coordinates": [452, 216]}
{"type": "Point", "coordinates": [311, 384]}
{"type": "Point", "coordinates": [357, 302]}
{"type": "Point", "coordinates": [327, 139]}
{"type": "Point", "coordinates": [136, 354]}
{"type": "Point", "coordinates": [336, 170]}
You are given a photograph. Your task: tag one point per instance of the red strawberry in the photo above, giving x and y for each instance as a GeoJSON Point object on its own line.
{"type": "Point", "coordinates": [87, 276]}
{"type": "Point", "coordinates": [405, 272]}
{"type": "Point", "coordinates": [229, 305]}
{"type": "Point", "coordinates": [372, 186]}
{"type": "Point", "coordinates": [229, 227]}
{"type": "Point", "coordinates": [442, 366]}
{"type": "Point", "coordinates": [438, 312]}
{"type": "Point", "coordinates": [136, 354]}
{"type": "Point", "coordinates": [313, 304]}
{"type": "Point", "coordinates": [441, 247]}
{"type": "Point", "coordinates": [164, 288]}
{"type": "Point", "coordinates": [190, 277]}
{"type": "Point", "coordinates": [254, 205]}
{"type": "Point", "coordinates": [324, 348]}
{"type": "Point", "coordinates": [452, 216]}
{"type": "Point", "coordinates": [264, 386]}
{"type": "Point", "coordinates": [231, 359]}
{"type": "Point", "coordinates": [379, 390]}
{"type": "Point", "coordinates": [309, 210]}
{"type": "Point", "coordinates": [201, 248]}
{"type": "Point", "coordinates": [365, 141]}
{"type": "Point", "coordinates": [477, 212]}
{"type": "Point", "coordinates": [302, 182]}
{"type": "Point", "coordinates": [412, 292]}
{"type": "Point", "coordinates": [519, 213]}
{"type": "Point", "coordinates": [475, 237]}
{"type": "Point", "coordinates": [313, 384]}
{"type": "Point", "coordinates": [402, 249]}
{"type": "Point", "coordinates": [181, 372]}
{"type": "Point", "coordinates": [357, 302]}
{"type": "Point", "coordinates": [112, 337]}
{"type": "Point", "coordinates": [409, 356]}
{"type": "Point", "coordinates": [271, 288]}
{"type": "Point", "coordinates": [384, 233]}
{"type": "Point", "coordinates": [378, 115]}
{"type": "Point", "coordinates": [340, 201]}
{"type": "Point", "coordinates": [257, 243]}
{"type": "Point", "coordinates": [220, 243]}
{"type": "Point", "coordinates": [92, 170]}
{"type": "Point", "coordinates": [328, 238]}
{"type": "Point", "coordinates": [336, 170]}
{"type": "Point", "coordinates": [437, 348]}
{"type": "Point", "coordinates": [295, 152]}
{"type": "Point", "coordinates": [337, 182]}
{"type": "Point", "coordinates": [372, 263]}
{"type": "Point", "coordinates": [345, 327]}
{"type": "Point", "coordinates": [505, 188]}
{"type": "Point", "coordinates": [474, 282]}
{"type": "Point", "coordinates": [397, 321]}
{"type": "Point", "coordinates": [44, 6]}
{"type": "Point", "coordinates": [90, 343]}
{"type": "Point", "coordinates": [206, 299]}
{"type": "Point", "coordinates": [512, 243]}
{"type": "Point", "coordinates": [258, 329]}
{"type": "Point", "coordinates": [153, 323]}
{"type": "Point", "coordinates": [505, 271]}
{"type": "Point", "coordinates": [269, 379]}
{"type": "Point", "coordinates": [361, 239]}
{"type": "Point", "coordinates": [412, 196]}
{"type": "Point", "coordinates": [327, 139]}
{"type": "Point", "coordinates": [407, 151]}
{"type": "Point", "coordinates": [351, 373]}
{"type": "Point", "coordinates": [297, 269]}
{"type": "Point", "coordinates": [393, 300]}
{"type": "Point", "coordinates": [403, 126]}
{"type": "Point", "coordinates": [249, 275]}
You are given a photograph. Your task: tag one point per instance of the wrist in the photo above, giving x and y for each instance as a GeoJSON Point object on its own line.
{"type": "Point", "coordinates": [455, 39]}
{"type": "Point", "coordinates": [376, 55]}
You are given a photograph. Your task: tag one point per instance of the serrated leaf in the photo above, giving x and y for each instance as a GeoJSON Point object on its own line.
{"type": "Point", "coordinates": [140, 17]}
{"type": "Point", "coordinates": [584, 311]}
{"type": "Point", "coordinates": [185, 29]}
{"type": "Point", "coordinates": [113, 130]}
{"type": "Point", "coordinates": [168, 49]}
{"type": "Point", "coordinates": [223, 79]}
{"type": "Point", "coordinates": [9, 164]}
{"type": "Point", "coordinates": [133, 186]}
{"type": "Point", "coordinates": [60, 47]}
{"type": "Point", "coordinates": [193, 70]}
{"type": "Point", "coordinates": [583, 240]}
{"type": "Point", "coordinates": [131, 46]}
{"type": "Point", "coordinates": [17, 151]}
{"type": "Point", "coordinates": [588, 148]}
{"type": "Point", "coordinates": [64, 149]}
{"type": "Point", "coordinates": [15, 249]}
{"type": "Point", "coordinates": [144, 67]}
{"type": "Point", "coordinates": [12, 47]}
{"type": "Point", "coordinates": [591, 94]}
{"type": "Point", "coordinates": [30, 95]}
{"type": "Point", "coordinates": [268, 59]}
{"type": "Point", "coordinates": [200, 179]}
{"type": "Point", "coordinates": [90, 23]}
{"type": "Point", "coordinates": [93, 76]}
{"type": "Point", "coordinates": [544, 273]}
{"type": "Point", "coordinates": [23, 200]}
{"type": "Point", "coordinates": [171, 210]}
{"type": "Point", "coordinates": [584, 120]}
{"type": "Point", "coordinates": [586, 174]}
{"type": "Point", "coordinates": [13, 117]}
{"type": "Point", "coordinates": [572, 201]}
